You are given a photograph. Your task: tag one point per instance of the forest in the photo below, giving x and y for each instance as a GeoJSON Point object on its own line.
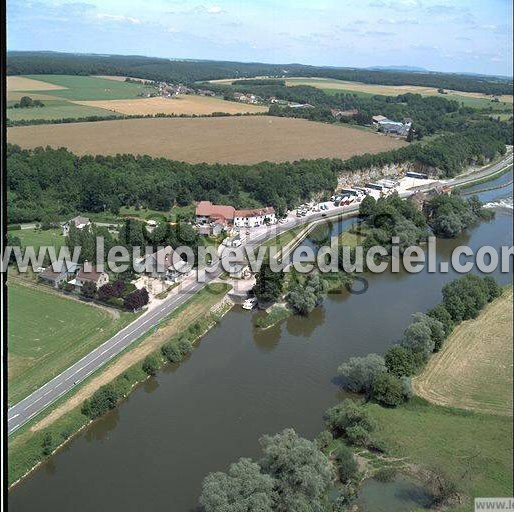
{"type": "Point", "coordinates": [189, 71]}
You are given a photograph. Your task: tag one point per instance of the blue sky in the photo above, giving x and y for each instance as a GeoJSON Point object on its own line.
{"type": "Point", "coordinates": [445, 35]}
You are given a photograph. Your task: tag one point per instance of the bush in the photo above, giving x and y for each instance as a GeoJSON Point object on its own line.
{"type": "Point", "coordinates": [323, 439]}
{"type": "Point", "coordinates": [151, 364]}
{"type": "Point", "coordinates": [348, 414]}
{"type": "Point", "coordinates": [171, 352]}
{"type": "Point", "coordinates": [346, 465]}
{"type": "Point", "coordinates": [400, 361]}
{"type": "Point", "coordinates": [358, 435]}
{"type": "Point", "coordinates": [358, 373]}
{"type": "Point", "coordinates": [387, 390]}
{"type": "Point", "coordinates": [101, 401]}
{"type": "Point", "coordinates": [184, 346]}
{"type": "Point", "coordinates": [48, 444]}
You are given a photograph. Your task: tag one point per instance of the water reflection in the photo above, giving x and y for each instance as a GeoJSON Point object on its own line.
{"type": "Point", "coordinates": [304, 326]}
{"type": "Point", "coordinates": [103, 426]}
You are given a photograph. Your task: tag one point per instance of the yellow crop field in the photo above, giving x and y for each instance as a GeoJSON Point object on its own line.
{"type": "Point", "coordinates": [240, 139]}
{"type": "Point", "coordinates": [474, 368]}
{"type": "Point", "coordinates": [183, 104]}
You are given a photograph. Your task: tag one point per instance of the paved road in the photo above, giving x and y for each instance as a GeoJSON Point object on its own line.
{"type": "Point", "coordinates": [47, 394]}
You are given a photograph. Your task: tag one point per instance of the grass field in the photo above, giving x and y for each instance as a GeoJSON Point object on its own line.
{"type": "Point", "coordinates": [473, 449]}
{"type": "Point", "coordinates": [49, 332]}
{"type": "Point", "coordinates": [474, 368]}
{"type": "Point", "coordinates": [38, 238]}
{"type": "Point", "coordinates": [56, 109]}
{"type": "Point", "coordinates": [184, 104]}
{"type": "Point", "coordinates": [59, 93]}
{"type": "Point", "coordinates": [243, 140]}
{"type": "Point", "coordinates": [80, 88]}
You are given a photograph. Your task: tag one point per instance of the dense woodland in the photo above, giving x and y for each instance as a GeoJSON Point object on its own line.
{"type": "Point", "coordinates": [189, 71]}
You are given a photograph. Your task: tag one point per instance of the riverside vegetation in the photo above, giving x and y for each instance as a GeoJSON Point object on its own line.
{"type": "Point", "coordinates": [298, 474]}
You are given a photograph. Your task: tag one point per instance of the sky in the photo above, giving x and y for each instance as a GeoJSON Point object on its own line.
{"type": "Point", "coordinates": [473, 36]}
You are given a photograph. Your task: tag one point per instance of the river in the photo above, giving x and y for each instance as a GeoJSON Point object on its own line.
{"type": "Point", "coordinates": [154, 450]}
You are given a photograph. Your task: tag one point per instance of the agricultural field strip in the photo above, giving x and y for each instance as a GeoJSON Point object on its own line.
{"type": "Point", "coordinates": [387, 90]}
{"type": "Point", "coordinates": [460, 375]}
{"type": "Point", "coordinates": [242, 140]}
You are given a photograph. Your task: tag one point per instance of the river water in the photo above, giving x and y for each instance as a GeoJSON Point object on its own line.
{"type": "Point", "coordinates": [154, 450]}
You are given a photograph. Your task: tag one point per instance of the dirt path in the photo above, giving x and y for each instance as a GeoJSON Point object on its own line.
{"type": "Point", "coordinates": [474, 369]}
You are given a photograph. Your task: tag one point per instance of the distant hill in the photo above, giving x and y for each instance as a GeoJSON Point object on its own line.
{"type": "Point", "coordinates": [413, 69]}
{"type": "Point", "coordinates": [190, 71]}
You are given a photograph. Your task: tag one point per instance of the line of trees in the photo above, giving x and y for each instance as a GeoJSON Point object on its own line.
{"type": "Point", "coordinates": [386, 379]}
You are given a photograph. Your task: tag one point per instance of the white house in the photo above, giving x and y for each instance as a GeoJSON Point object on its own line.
{"type": "Point", "coordinates": [79, 222]}
{"type": "Point", "coordinates": [254, 217]}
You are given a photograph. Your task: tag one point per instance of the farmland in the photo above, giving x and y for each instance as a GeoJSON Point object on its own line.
{"type": "Point", "coordinates": [59, 93]}
{"type": "Point", "coordinates": [474, 368]}
{"type": "Point", "coordinates": [331, 86]}
{"type": "Point", "coordinates": [182, 105]}
{"type": "Point", "coordinates": [42, 339]}
{"type": "Point", "coordinates": [242, 140]}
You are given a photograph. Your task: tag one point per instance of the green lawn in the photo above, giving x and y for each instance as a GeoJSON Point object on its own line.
{"type": "Point", "coordinates": [56, 109]}
{"type": "Point", "coordinates": [83, 88]}
{"type": "Point", "coordinates": [474, 449]}
{"type": "Point", "coordinates": [38, 238]}
{"type": "Point", "coordinates": [48, 332]}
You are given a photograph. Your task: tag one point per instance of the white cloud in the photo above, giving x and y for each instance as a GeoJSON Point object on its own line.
{"type": "Point", "coordinates": [118, 18]}
{"type": "Point", "coordinates": [214, 9]}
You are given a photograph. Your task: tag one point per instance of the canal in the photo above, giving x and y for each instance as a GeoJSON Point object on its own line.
{"type": "Point", "coordinates": [154, 450]}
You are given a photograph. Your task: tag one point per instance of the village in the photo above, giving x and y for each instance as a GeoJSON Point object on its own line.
{"type": "Point", "coordinates": [159, 272]}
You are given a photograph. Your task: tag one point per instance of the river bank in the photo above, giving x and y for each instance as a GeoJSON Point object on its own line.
{"type": "Point", "coordinates": [240, 384]}
{"type": "Point", "coordinates": [65, 419]}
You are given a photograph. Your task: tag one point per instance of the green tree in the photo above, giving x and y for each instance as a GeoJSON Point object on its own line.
{"type": "Point", "coordinates": [268, 284]}
{"type": "Point", "coordinates": [348, 414]}
{"type": "Point", "coordinates": [347, 467]}
{"type": "Point", "coordinates": [358, 372]}
{"type": "Point", "coordinates": [400, 361]}
{"type": "Point", "coordinates": [245, 488]}
{"type": "Point", "coordinates": [387, 389]}
{"type": "Point", "coordinates": [302, 473]}
{"type": "Point", "coordinates": [151, 364]}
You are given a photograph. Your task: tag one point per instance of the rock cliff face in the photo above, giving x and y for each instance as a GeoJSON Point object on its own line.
{"type": "Point", "coordinates": [393, 171]}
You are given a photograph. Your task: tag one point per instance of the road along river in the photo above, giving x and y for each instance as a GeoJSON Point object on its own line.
{"type": "Point", "coordinates": [154, 450]}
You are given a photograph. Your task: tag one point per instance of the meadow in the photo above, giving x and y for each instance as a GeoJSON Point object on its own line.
{"type": "Point", "coordinates": [243, 140]}
{"type": "Point", "coordinates": [56, 109]}
{"type": "Point", "coordinates": [473, 450]}
{"type": "Point", "coordinates": [38, 238]}
{"type": "Point", "coordinates": [474, 368]}
{"type": "Point", "coordinates": [48, 332]}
